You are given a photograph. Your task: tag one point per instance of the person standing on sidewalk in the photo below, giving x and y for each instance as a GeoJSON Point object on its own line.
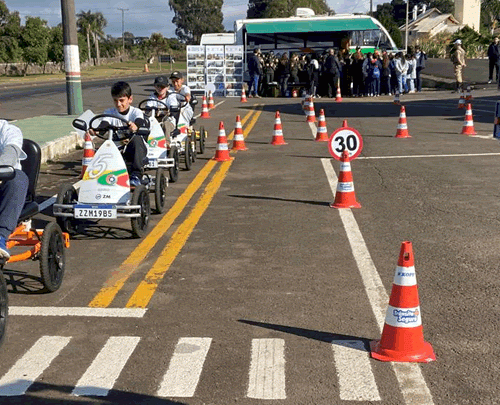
{"type": "Point", "coordinates": [494, 58]}
{"type": "Point", "coordinates": [458, 59]}
{"type": "Point", "coordinates": [421, 57]}
{"type": "Point", "coordinates": [255, 71]}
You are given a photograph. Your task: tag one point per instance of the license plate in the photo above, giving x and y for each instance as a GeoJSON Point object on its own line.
{"type": "Point", "coordinates": [95, 212]}
{"type": "Point", "coordinates": [152, 162]}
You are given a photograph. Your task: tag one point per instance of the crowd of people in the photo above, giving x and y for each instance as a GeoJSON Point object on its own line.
{"type": "Point", "coordinates": [359, 75]}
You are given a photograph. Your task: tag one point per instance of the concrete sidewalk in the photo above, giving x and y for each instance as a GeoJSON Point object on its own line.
{"type": "Point", "coordinates": [55, 134]}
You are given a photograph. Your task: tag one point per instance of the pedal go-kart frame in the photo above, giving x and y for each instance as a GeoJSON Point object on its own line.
{"type": "Point", "coordinates": [105, 191]}
{"type": "Point", "coordinates": [45, 245]}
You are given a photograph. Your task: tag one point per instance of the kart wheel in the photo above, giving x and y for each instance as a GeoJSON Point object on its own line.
{"type": "Point", "coordinates": [192, 145]}
{"type": "Point", "coordinates": [67, 195]}
{"type": "Point", "coordinates": [188, 154]}
{"type": "Point", "coordinates": [161, 185]}
{"type": "Point", "coordinates": [4, 307]}
{"type": "Point", "coordinates": [174, 171]}
{"type": "Point", "coordinates": [52, 257]}
{"type": "Point", "coordinates": [202, 140]}
{"type": "Point", "coordinates": [140, 224]}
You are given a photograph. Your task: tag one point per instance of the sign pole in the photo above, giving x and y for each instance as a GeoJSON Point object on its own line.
{"type": "Point", "coordinates": [71, 59]}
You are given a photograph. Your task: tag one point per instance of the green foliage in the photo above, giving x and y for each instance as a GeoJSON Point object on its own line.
{"type": "Point", "coordinates": [34, 41]}
{"type": "Point", "coordinates": [474, 44]}
{"type": "Point", "coordinates": [284, 8]}
{"type": "Point", "coordinates": [196, 17]}
{"type": "Point", "coordinates": [490, 12]}
{"type": "Point", "coordinates": [55, 50]}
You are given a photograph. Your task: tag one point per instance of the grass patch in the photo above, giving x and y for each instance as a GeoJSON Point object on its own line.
{"type": "Point", "coordinates": [128, 68]}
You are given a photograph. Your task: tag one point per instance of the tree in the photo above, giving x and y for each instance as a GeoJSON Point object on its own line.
{"type": "Point", "coordinates": [10, 30]}
{"type": "Point", "coordinates": [55, 50]}
{"type": "Point", "coordinates": [445, 6]}
{"type": "Point", "coordinates": [92, 26]}
{"type": "Point", "coordinates": [84, 23]}
{"type": "Point", "coordinates": [98, 25]}
{"type": "Point", "coordinates": [34, 42]}
{"type": "Point", "coordinates": [491, 13]}
{"type": "Point", "coordinates": [196, 17]}
{"type": "Point", "coordinates": [284, 8]}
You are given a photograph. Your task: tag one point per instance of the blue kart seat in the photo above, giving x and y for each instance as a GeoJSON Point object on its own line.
{"type": "Point", "coordinates": [31, 166]}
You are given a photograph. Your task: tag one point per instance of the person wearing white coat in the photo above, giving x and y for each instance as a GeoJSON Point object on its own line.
{"type": "Point", "coordinates": [411, 76]}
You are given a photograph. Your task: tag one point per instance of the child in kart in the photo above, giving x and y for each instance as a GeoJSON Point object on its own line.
{"type": "Point", "coordinates": [180, 95]}
{"type": "Point", "coordinates": [12, 192]}
{"type": "Point", "coordinates": [135, 149]}
{"type": "Point", "coordinates": [160, 94]}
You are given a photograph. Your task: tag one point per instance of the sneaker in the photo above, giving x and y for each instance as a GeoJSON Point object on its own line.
{"type": "Point", "coordinates": [4, 253]}
{"type": "Point", "coordinates": [135, 180]}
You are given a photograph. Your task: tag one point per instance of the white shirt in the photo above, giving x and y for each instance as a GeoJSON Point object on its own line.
{"type": "Point", "coordinates": [174, 100]}
{"type": "Point", "coordinates": [132, 114]}
{"type": "Point", "coordinates": [11, 135]}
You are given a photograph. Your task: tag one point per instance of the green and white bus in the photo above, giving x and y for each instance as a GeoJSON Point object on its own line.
{"type": "Point", "coordinates": [309, 33]}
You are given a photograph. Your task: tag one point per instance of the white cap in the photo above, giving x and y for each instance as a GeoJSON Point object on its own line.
{"type": "Point", "coordinates": [458, 41]}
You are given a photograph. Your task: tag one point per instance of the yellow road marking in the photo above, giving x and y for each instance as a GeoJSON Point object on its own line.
{"type": "Point", "coordinates": [118, 278]}
{"type": "Point", "coordinates": [146, 289]}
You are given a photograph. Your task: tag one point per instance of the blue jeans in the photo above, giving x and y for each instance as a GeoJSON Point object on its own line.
{"type": "Point", "coordinates": [254, 82]}
{"type": "Point", "coordinates": [400, 83]}
{"type": "Point", "coordinates": [12, 199]}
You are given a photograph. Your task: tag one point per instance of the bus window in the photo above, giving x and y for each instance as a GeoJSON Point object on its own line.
{"type": "Point", "coordinates": [356, 38]}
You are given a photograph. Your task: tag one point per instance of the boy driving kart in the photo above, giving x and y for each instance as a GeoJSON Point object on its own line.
{"type": "Point", "coordinates": [135, 149]}
{"type": "Point", "coordinates": [12, 192]}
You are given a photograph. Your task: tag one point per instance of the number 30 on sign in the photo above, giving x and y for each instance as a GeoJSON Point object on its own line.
{"type": "Point", "coordinates": [345, 138]}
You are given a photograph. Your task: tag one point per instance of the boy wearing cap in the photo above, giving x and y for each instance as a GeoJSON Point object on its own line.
{"type": "Point", "coordinates": [179, 87]}
{"type": "Point", "coordinates": [161, 92]}
{"type": "Point", "coordinates": [458, 59]}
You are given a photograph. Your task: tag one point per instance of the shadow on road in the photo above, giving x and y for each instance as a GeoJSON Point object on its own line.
{"type": "Point", "coordinates": [259, 197]}
{"type": "Point", "coordinates": [327, 337]}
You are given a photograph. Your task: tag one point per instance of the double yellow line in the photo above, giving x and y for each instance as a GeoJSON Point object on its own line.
{"type": "Point", "coordinates": [147, 287]}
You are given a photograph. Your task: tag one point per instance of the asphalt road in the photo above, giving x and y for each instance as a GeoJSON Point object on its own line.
{"type": "Point", "coordinates": [253, 290]}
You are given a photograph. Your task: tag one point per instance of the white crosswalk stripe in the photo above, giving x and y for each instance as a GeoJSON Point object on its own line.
{"type": "Point", "coordinates": [266, 375]}
{"type": "Point", "coordinates": [267, 369]}
{"type": "Point", "coordinates": [185, 368]}
{"type": "Point", "coordinates": [29, 367]}
{"type": "Point", "coordinates": [106, 367]}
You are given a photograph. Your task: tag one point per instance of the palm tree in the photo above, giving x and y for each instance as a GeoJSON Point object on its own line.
{"type": "Point", "coordinates": [92, 25]}
{"type": "Point", "coordinates": [84, 23]}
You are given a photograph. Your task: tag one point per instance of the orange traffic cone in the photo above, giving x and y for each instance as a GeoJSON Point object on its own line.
{"type": "Point", "coordinates": [402, 131]}
{"type": "Point", "coordinates": [305, 104]}
{"type": "Point", "coordinates": [222, 150]}
{"type": "Point", "coordinates": [311, 115]}
{"type": "Point", "coordinates": [210, 101]}
{"type": "Point", "coordinates": [278, 138]}
{"type": "Point", "coordinates": [468, 128]}
{"type": "Point", "coordinates": [345, 197]}
{"type": "Point", "coordinates": [402, 336]}
{"type": "Point", "coordinates": [345, 124]}
{"type": "Point", "coordinates": [204, 108]}
{"type": "Point", "coordinates": [461, 101]}
{"type": "Point", "coordinates": [88, 153]}
{"type": "Point", "coordinates": [322, 134]}
{"type": "Point", "coordinates": [338, 97]}
{"type": "Point", "coordinates": [239, 137]}
{"type": "Point", "coordinates": [396, 101]}
{"type": "Point", "coordinates": [243, 98]}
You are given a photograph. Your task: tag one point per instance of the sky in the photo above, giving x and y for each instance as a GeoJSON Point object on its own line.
{"type": "Point", "coordinates": [145, 17]}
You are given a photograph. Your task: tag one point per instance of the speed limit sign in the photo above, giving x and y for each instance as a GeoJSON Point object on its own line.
{"type": "Point", "coordinates": [345, 138]}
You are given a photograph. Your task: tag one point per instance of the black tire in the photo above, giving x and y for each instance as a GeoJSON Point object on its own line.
{"type": "Point", "coordinates": [202, 140]}
{"type": "Point", "coordinates": [52, 257]}
{"type": "Point", "coordinates": [174, 171]}
{"type": "Point", "coordinates": [67, 195]}
{"type": "Point", "coordinates": [161, 185]}
{"type": "Point", "coordinates": [192, 144]}
{"type": "Point", "coordinates": [140, 224]}
{"type": "Point", "coordinates": [188, 158]}
{"type": "Point", "coordinates": [4, 307]}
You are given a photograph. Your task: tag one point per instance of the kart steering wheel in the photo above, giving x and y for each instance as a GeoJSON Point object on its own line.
{"type": "Point", "coordinates": [182, 101]}
{"type": "Point", "coordinates": [101, 131]}
{"type": "Point", "coordinates": [159, 105]}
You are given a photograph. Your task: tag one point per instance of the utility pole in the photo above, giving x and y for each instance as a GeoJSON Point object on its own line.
{"type": "Point", "coordinates": [371, 7]}
{"type": "Point", "coordinates": [406, 30]}
{"type": "Point", "coordinates": [123, 27]}
{"type": "Point", "coordinates": [71, 58]}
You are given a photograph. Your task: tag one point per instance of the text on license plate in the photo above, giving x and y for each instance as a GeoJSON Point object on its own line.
{"type": "Point", "coordinates": [97, 213]}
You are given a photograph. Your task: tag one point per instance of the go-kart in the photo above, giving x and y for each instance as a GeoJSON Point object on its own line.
{"type": "Point", "coordinates": [46, 245]}
{"type": "Point", "coordinates": [181, 136]}
{"type": "Point", "coordinates": [105, 191]}
{"type": "Point", "coordinates": [160, 153]}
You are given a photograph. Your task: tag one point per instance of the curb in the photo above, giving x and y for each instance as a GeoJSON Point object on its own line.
{"type": "Point", "coordinates": [61, 146]}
